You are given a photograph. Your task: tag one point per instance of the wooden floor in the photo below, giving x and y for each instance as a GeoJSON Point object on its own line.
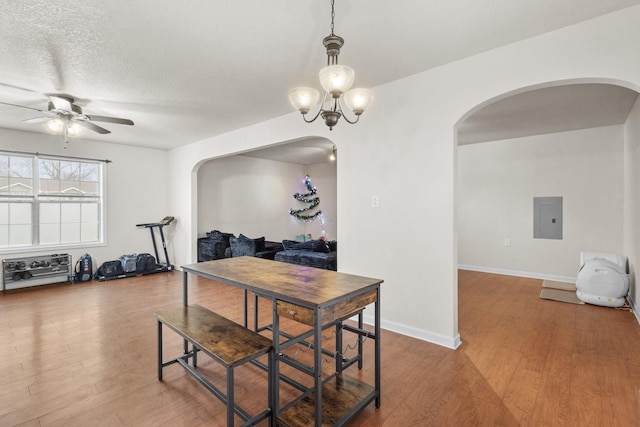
{"type": "Point", "coordinates": [85, 355]}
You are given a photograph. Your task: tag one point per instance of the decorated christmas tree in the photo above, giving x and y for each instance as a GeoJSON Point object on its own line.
{"type": "Point", "coordinates": [310, 199]}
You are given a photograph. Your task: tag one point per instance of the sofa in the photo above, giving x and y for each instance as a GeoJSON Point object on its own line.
{"type": "Point", "coordinates": [257, 247]}
{"type": "Point", "coordinates": [313, 253]}
{"type": "Point", "coordinates": [213, 246]}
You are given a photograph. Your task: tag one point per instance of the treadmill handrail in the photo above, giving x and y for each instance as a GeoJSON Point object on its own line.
{"type": "Point", "coordinates": [165, 221]}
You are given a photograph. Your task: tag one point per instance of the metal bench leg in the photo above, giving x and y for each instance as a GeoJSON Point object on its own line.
{"type": "Point", "coordinates": [160, 350]}
{"type": "Point", "coordinates": [339, 356]}
{"type": "Point", "coordinates": [271, 386]}
{"type": "Point", "coordinates": [230, 402]}
{"type": "Point", "coordinates": [195, 356]}
{"type": "Point", "coordinates": [244, 299]}
{"type": "Point", "coordinates": [360, 326]}
{"type": "Point", "coordinates": [255, 312]}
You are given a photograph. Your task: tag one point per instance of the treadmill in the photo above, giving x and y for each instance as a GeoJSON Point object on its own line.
{"type": "Point", "coordinates": [166, 265]}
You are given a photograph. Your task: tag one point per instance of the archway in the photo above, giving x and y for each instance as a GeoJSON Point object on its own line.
{"type": "Point", "coordinates": [251, 192]}
{"type": "Point", "coordinates": [577, 159]}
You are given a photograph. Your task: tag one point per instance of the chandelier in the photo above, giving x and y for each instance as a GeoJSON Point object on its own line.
{"type": "Point", "coordinates": [336, 80]}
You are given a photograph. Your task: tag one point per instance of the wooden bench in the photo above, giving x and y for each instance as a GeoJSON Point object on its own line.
{"type": "Point", "coordinates": [226, 342]}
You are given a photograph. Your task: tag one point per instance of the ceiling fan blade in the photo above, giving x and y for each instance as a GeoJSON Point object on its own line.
{"type": "Point", "coordinates": [110, 120]}
{"type": "Point", "coordinates": [92, 127]}
{"type": "Point", "coordinates": [10, 86]}
{"type": "Point", "coordinates": [38, 119]}
{"type": "Point", "coordinates": [22, 106]}
{"type": "Point", "coordinates": [60, 103]}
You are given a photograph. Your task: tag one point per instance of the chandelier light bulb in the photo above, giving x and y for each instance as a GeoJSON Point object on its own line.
{"type": "Point", "coordinates": [337, 79]}
{"type": "Point", "coordinates": [358, 100]}
{"type": "Point", "coordinates": [304, 98]}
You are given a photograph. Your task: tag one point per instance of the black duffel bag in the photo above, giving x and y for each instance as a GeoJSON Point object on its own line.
{"type": "Point", "coordinates": [110, 269]}
{"type": "Point", "coordinates": [145, 263]}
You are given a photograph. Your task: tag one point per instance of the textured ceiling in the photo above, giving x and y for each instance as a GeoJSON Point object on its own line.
{"type": "Point", "coordinates": [184, 71]}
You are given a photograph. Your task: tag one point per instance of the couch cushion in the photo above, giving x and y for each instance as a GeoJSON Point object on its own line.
{"type": "Point", "coordinates": [210, 249]}
{"type": "Point", "coordinates": [311, 245]}
{"type": "Point", "coordinates": [245, 246]}
{"type": "Point", "coordinates": [327, 261]}
{"type": "Point", "coordinates": [273, 246]}
{"type": "Point", "coordinates": [219, 236]}
{"type": "Point", "coordinates": [289, 244]}
{"type": "Point", "coordinates": [258, 242]}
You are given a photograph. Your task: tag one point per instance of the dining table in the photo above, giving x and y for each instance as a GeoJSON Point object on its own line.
{"type": "Point", "coordinates": [320, 299]}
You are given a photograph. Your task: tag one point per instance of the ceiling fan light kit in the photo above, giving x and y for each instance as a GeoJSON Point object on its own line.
{"type": "Point", "coordinates": [336, 80]}
{"type": "Point", "coordinates": [64, 117]}
{"type": "Point", "coordinates": [60, 125]}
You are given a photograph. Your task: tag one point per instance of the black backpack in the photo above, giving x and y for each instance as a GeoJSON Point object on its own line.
{"type": "Point", "coordinates": [84, 269]}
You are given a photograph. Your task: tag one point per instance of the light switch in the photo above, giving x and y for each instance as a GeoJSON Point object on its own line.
{"type": "Point", "coordinates": [375, 201]}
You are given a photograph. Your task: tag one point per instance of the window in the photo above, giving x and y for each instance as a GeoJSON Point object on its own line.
{"type": "Point", "coordinates": [49, 201]}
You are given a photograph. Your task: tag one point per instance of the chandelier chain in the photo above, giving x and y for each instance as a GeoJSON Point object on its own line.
{"type": "Point", "coordinates": [333, 15]}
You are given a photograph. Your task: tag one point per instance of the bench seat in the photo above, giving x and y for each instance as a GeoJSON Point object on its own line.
{"type": "Point", "coordinates": [225, 341]}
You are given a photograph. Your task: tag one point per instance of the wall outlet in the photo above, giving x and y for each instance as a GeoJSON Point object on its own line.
{"type": "Point", "coordinates": [507, 242]}
{"type": "Point", "coordinates": [375, 201]}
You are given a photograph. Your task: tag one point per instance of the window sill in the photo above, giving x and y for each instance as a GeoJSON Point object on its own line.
{"type": "Point", "coordinates": [50, 248]}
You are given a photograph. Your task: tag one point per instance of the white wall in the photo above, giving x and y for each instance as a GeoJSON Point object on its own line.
{"type": "Point", "coordinates": [404, 150]}
{"type": "Point", "coordinates": [497, 182]}
{"type": "Point", "coordinates": [632, 198]}
{"type": "Point", "coordinates": [239, 194]}
{"type": "Point", "coordinates": [136, 190]}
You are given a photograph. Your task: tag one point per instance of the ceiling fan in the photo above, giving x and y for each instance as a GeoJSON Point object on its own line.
{"type": "Point", "coordinates": [64, 116]}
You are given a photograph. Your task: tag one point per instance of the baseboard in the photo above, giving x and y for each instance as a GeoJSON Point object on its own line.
{"type": "Point", "coordinates": [516, 273]}
{"type": "Point", "coordinates": [634, 309]}
{"type": "Point", "coordinates": [441, 340]}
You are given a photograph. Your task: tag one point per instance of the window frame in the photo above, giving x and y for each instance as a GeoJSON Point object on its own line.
{"type": "Point", "coordinates": [36, 199]}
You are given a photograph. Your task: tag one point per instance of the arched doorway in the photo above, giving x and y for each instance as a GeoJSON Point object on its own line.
{"type": "Point", "coordinates": [251, 192]}
{"type": "Point", "coordinates": [555, 139]}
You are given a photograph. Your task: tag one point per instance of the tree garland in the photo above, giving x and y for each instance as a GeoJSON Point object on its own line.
{"type": "Point", "coordinates": [303, 214]}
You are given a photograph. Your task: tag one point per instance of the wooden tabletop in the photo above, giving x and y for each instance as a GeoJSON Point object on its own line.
{"type": "Point", "coordinates": [308, 286]}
